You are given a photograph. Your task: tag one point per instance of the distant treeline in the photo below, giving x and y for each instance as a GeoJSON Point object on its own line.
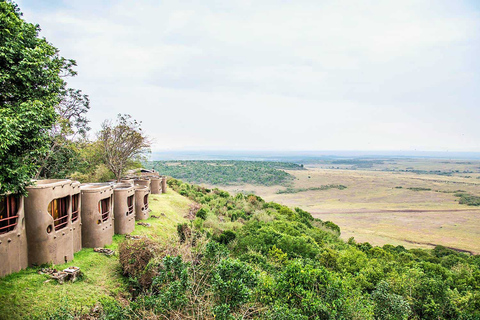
{"type": "Point", "coordinates": [324, 187]}
{"type": "Point", "coordinates": [229, 172]}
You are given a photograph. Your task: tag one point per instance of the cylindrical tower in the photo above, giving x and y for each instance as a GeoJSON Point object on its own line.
{"type": "Point", "coordinates": [97, 215]}
{"type": "Point", "coordinates": [124, 208]}
{"type": "Point", "coordinates": [13, 235]}
{"type": "Point", "coordinates": [155, 185]}
{"type": "Point", "coordinates": [141, 202]}
{"type": "Point", "coordinates": [143, 182]}
{"type": "Point", "coordinates": [48, 222]}
{"type": "Point", "coordinates": [164, 184]}
{"type": "Point", "coordinates": [128, 180]}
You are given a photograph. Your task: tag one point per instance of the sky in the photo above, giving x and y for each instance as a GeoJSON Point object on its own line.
{"type": "Point", "coordinates": [277, 75]}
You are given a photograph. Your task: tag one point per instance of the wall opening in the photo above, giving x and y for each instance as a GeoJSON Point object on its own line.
{"type": "Point", "coordinates": [145, 201]}
{"type": "Point", "coordinates": [8, 213]}
{"type": "Point", "coordinates": [75, 207]}
{"type": "Point", "coordinates": [58, 209]}
{"type": "Point", "coordinates": [104, 208]}
{"type": "Point", "coordinates": [130, 204]}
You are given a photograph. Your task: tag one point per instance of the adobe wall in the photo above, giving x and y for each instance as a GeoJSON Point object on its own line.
{"type": "Point", "coordinates": [128, 180]}
{"type": "Point", "coordinates": [13, 242]}
{"type": "Point", "coordinates": [124, 213]}
{"type": "Point", "coordinates": [97, 228]}
{"type": "Point", "coordinates": [164, 184]}
{"type": "Point", "coordinates": [76, 217]}
{"type": "Point", "coordinates": [46, 242]}
{"type": "Point", "coordinates": [155, 185]}
{"type": "Point", "coordinates": [141, 206]}
{"type": "Point", "coordinates": [143, 182]}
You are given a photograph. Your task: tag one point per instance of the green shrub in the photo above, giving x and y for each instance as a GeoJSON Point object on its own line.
{"type": "Point", "coordinates": [232, 283]}
{"type": "Point", "coordinates": [389, 306]}
{"type": "Point", "coordinates": [202, 213]}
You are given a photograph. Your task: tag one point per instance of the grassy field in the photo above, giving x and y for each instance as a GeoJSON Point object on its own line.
{"type": "Point", "coordinates": [27, 293]}
{"type": "Point", "coordinates": [377, 206]}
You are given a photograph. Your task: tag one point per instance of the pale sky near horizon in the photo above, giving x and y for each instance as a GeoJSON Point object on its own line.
{"type": "Point", "coordinates": [277, 75]}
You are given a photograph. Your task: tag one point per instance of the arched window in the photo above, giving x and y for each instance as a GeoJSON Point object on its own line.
{"type": "Point", "coordinates": [130, 205]}
{"type": "Point", "coordinates": [8, 213]}
{"type": "Point", "coordinates": [104, 208]}
{"type": "Point", "coordinates": [58, 209]}
{"type": "Point", "coordinates": [145, 201]}
{"type": "Point", "coordinates": [75, 207]}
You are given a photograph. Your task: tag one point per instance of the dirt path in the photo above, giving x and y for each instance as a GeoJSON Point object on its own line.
{"type": "Point", "coordinates": [391, 210]}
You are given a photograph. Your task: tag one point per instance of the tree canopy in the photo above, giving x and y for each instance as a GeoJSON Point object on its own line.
{"type": "Point", "coordinates": [122, 141]}
{"type": "Point", "coordinates": [31, 85]}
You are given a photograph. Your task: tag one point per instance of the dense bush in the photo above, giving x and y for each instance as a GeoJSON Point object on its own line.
{"type": "Point", "coordinates": [279, 263]}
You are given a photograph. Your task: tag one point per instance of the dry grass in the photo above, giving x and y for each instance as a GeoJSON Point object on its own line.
{"type": "Point", "coordinates": [372, 208]}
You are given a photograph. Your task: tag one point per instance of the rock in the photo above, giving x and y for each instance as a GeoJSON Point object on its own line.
{"type": "Point", "coordinates": [144, 224]}
{"type": "Point", "coordinates": [105, 251]}
{"type": "Point", "coordinates": [73, 273]}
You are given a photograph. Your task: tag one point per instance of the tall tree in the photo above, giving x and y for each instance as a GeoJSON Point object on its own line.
{"type": "Point", "coordinates": [122, 141]}
{"type": "Point", "coordinates": [31, 85]}
{"type": "Point", "coordinates": [70, 127]}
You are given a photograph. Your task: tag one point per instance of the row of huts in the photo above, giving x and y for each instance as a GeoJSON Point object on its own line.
{"type": "Point", "coordinates": [60, 217]}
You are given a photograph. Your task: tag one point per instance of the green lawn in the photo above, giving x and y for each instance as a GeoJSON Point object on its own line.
{"type": "Point", "coordinates": [27, 293]}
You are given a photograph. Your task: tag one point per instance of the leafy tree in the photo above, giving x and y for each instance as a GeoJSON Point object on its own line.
{"type": "Point", "coordinates": [122, 142]}
{"type": "Point", "coordinates": [69, 129]}
{"type": "Point", "coordinates": [31, 85]}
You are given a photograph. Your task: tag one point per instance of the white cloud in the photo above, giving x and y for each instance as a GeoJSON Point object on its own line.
{"type": "Point", "coordinates": [277, 74]}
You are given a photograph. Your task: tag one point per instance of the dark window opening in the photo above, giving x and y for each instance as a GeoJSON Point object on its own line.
{"type": "Point", "coordinates": [104, 208]}
{"type": "Point", "coordinates": [8, 213]}
{"type": "Point", "coordinates": [75, 207]}
{"type": "Point", "coordinates": [145, 202]}
{"type": "Point", "coordinates": [58, 209]}
{"type": "Point", "coordinates": [130, 205]}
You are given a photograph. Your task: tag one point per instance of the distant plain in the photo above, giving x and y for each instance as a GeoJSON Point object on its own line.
{"type": "Point", "coordinates": [378, 207]}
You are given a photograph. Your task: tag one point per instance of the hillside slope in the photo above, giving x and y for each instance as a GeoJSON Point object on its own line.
{"type": "Point", "coordinates": [27, 294]}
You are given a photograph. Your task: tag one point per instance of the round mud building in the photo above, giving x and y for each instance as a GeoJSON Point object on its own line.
{"type": "Point", "coordinates": [128, 180]}
{"type": "Point", "coordinates": [164, 184]}
{"type": "Point", "coordinates": [141, 202]}
{"type": "Point", "coordinates": [143, 182]}
{"type": "Point", "coordinates": [155, 184]}
{"type": "Point", "coordinates": [97, 215]}
{"type": "Point", "coordinates": [13, 235]}
{"type": "Point", "coordinates": [124, 208]}
{"type": "Point", "coordinates": [48, 222]}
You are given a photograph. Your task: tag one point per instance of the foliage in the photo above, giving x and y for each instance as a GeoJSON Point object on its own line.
{"type": "Point", "coordinates": [468, 199]}
{"type": "Point", "coordinates": [324, 187]}
{"type": "Point", "coordinates": [31, 85]}
{"type": "Point", "coordinates": [284, 264]}
{"type": "Point", "coordinates": [122, 142]}
{"type": "Point", "coordinates": [227, 172]}
{"type": "Point", "coordinates": [419, 189]}
{"type": "Point", "coordinates": [70, 128]}
{"type": "Point", "coordinates": [389, 305]}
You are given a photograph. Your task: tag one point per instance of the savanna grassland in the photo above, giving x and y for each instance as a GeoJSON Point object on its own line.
{"type": "Point", "coordinates": [409, 202]}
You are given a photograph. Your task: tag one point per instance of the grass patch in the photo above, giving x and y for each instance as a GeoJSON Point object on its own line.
{"type": "Point", "coordinates": [28, 294]}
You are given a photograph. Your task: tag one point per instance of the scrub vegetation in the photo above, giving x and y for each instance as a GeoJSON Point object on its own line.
{"type": "Point", "coordinates": [325, 187]}
{"type": "Point", "coordinates": [245, 258]}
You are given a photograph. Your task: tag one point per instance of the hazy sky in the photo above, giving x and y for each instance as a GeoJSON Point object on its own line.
{"type": "Point", "coordinates": [277, 75]}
